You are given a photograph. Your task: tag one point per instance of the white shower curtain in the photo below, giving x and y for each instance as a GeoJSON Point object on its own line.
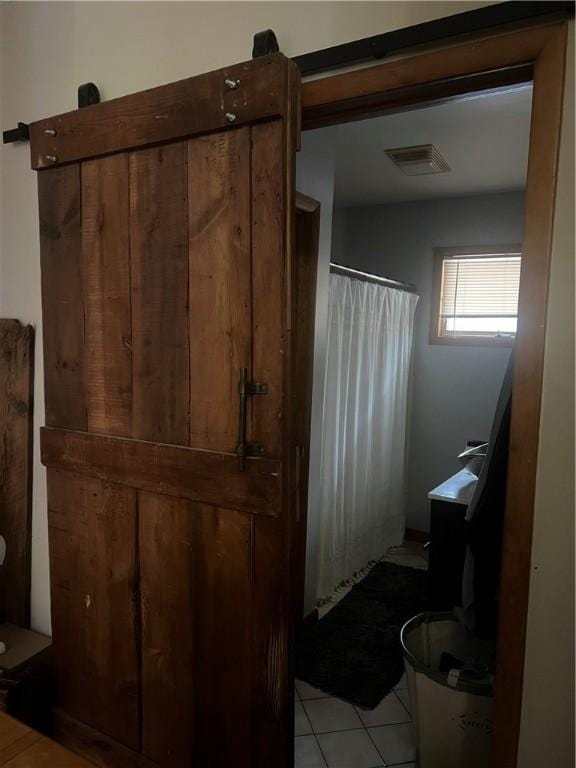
{"type": "Point", "coordinates": [370, 329]}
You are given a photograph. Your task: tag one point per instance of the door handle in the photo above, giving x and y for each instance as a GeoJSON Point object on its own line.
{"type": "Point", "coordinates": [247, 389]}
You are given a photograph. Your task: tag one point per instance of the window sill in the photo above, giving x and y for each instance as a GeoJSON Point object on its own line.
{"type": "Point", "coordinates": [472, 341]}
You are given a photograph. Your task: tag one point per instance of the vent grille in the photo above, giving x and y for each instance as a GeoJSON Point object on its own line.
{"type": "Point", "coordinates": [418, 161]}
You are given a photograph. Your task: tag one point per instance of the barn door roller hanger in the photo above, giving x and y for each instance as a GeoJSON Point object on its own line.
{"type": "Point", "coordinates": [88, 94]}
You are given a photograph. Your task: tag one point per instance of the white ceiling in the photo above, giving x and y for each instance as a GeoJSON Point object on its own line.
{"type": "Point", "coordinates": [484, 138]}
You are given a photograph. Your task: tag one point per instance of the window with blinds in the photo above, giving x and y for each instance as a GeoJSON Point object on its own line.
{"type": "Point", "coordinates": [476, 295]}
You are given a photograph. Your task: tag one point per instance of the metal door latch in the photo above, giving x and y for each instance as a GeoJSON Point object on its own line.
{"type": "Point", "coordinates": [247, 389]}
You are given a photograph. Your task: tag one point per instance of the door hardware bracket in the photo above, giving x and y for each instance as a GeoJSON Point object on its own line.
{"type": "Point", "coordinates": [255, 388]}
{"type": "Point", "coordinates": [247, 389]}
{"type": "Point", "coordinates": [20, 133]}
{"type": "Point", "coordinates": [265, 43]}
{"type": "Point", "coordinates": [254, 450]}
{"type": "Point", "coordinates": [88, 94]}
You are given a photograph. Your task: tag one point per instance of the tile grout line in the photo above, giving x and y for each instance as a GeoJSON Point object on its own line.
{"type": "Point", "coordinates": [307, 719]}
{"type": "Point", "coordinates": [402, 703]}
{"type": "Point", "coordinates": [389, 765]}
{"type": "Point", "coordinates": [324, 757]}
{"type": "Point", "coordinates": [355, 728]}
{"type": "Point", "coordinates": [384, 763]}
{"type": "Point", "coordinates": [313, 735]}
{"type": "Point", "coordinates": [317, 698]}
{"type": "Point", "coordinates": [359, 710]}
{"type": "Point", "coordinates": [376, 747]}
{"type": "Point", "coordinates": [362, 727]}
{"type": "Point", "coordinates": [409, 721]}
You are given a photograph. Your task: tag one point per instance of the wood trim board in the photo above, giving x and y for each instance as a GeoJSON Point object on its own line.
{"type": "Point", "coordinates": [172, 470]}
{"type": "Point", "coordinates": [307, 234]}
{"type": "Point", "coordinates": [16, 420]}
{"type": "Point", "coordinates": [479, 63]}
{"type": "Point", "coordinates": [549, 67]}
{"type": "Point", "coordinates": [489, 61]}
{"type": "Point", "coordinates": [185, 108]}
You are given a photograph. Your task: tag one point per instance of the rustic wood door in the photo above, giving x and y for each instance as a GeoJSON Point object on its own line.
{"type": "Point", "coordinates": [169, 317]}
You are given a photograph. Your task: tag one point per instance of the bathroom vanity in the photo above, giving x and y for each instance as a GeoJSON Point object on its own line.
{"type": "Point", "coordinates": [448, 504]}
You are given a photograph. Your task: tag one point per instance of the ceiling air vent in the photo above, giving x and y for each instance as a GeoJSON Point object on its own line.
{"type": "Point", "coordinates": [418, 161]}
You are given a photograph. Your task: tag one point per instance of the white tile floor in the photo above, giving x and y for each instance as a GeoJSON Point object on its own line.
{"type": "Point", "coordinates": [331, 733]}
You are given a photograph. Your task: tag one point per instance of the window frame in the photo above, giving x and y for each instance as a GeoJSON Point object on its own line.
{"type": "Point", "coordinates": [472, 340]}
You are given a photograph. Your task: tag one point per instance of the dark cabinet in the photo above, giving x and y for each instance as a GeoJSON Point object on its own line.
{"type": "Point", "coordinates": [446, 554]}
{"type": "Point", "coordinates": [447, 551]}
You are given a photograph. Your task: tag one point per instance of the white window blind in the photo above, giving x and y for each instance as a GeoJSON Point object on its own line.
{"type": "Point", "coordinates": [479, 294]}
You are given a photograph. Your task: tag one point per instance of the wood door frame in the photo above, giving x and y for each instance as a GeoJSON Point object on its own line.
{"type": "Point", "coordinates": [536, 52]}
{"type": "Point", "coordinates": [306, 241]}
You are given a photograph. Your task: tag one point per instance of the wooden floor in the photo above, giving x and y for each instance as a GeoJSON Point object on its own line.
{"type": "Point", "coordinates": [21, 747]}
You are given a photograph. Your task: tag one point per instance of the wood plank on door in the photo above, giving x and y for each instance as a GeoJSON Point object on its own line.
{"type": "Point", "coordinates": [159, 285]}
{"type": "Point", "coordinates": [195, 662]}
{"type": "Point", "coordinates": [93, 565]}
{"type": "Point", "coordinates": [166, 536]}
{"type": "Point", "coordinates": [59, 203]}
{"type": "Point", "coordinates": [268, 282]}
{"type": "Point", "coordinates": [106, 280]}
{"type": "Point", "coordinates": [272, 629]}
{"type": "Point", "coordinates": [222, 631]}
{"type": "Point", "coordinates": [220, 299]}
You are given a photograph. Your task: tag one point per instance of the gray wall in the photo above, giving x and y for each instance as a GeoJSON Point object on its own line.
{"type": "Point", "coordinates": [453, 389]}
{"type": "Point", "coordinates": [315, 177]}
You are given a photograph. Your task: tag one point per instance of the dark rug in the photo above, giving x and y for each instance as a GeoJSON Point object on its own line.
{"type": "Point", "coordinates": [354, 652]}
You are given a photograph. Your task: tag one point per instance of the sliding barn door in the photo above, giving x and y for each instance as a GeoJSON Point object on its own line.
{"type": "Point", "coordinates": [168, 306]}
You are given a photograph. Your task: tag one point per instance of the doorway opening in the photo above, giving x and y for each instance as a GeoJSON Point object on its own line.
{"type": "Point", "coordinates": [357, 96]}
{"type": "Point", "coordinates": [420, 253]}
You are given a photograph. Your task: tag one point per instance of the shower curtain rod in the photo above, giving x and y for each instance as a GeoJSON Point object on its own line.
{"type": "Point", "coordinates": [339, 269]}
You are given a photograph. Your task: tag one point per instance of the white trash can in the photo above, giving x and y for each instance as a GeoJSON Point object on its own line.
{"type": "Point", "coordinates": [452, 708]}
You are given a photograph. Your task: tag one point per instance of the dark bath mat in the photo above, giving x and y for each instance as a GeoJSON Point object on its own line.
{"type": "Point", "coordinates": [354, 651]}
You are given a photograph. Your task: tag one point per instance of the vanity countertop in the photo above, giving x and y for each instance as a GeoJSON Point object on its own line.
{"type": "Point", "coordinates": [458, 489]}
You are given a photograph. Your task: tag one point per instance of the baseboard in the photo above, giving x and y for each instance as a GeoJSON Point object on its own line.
{"type": "Point", "coordinates": [93, 745]}
{"type": "Point", "coordinates": [413, 534]}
